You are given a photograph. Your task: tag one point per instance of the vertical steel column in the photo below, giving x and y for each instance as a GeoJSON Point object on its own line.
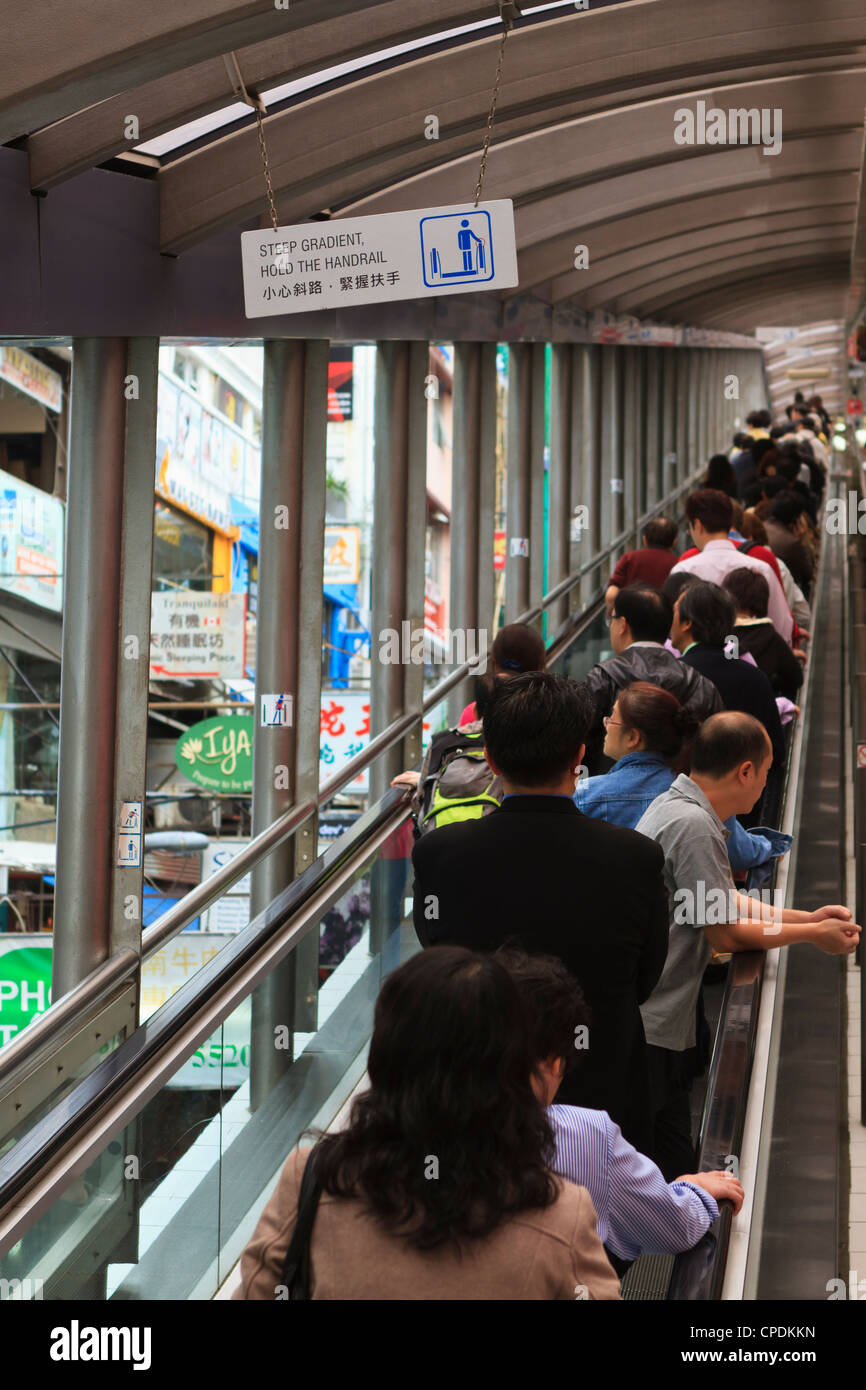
{"type": "Point", "coordinates": [399, 521]}
{"type": "Point", "coordinates": [746, 399]}
{"type": "Point", "coordinates": [685, 460]}
{"type": "Point", "coordinates": [670, 417]}
{"type": "Point", "coordinates": [560, 477]}
{"type": "Point", "coordinates": [702, 421]}
{"type": "Point", "coordinates": [133, 637]}
{"type": "Point", "coordinates": [399, 527]}
{"type": "Point", "coordinates": [611, 450]}
{"type": "Point", "coordinates": [715, 386]}
{"type": "Point", "coordinates": [585, 523]}
{"type": "Point", "coordinates": [472, 500]}
{"type": "Point", "coordinates": [732, 400]}
{"type": "Point", "coordinates": [524, 573]}
{"type": "Point", "coordinates": [699, 429]}
{"type": "Point", "coordinates": [288, 660]}
{"type": "Point", "coordinates": [632, 437]}
{"type": "Point", "coordinates": [89, 668]}
{"type": "Point", "coordinates": [735, 405]}
{"type": "Point", "coordinates": [653, 450]}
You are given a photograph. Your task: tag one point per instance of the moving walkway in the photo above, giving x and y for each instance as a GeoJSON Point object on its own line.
{"type": "Point", "coordinates": [116, 1183]}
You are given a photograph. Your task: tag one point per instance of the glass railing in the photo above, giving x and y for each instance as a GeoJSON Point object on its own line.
{"type": "Point", "coordinates": [188, 1169]}
{"type": "Point", "coordinates": [192, 1166]}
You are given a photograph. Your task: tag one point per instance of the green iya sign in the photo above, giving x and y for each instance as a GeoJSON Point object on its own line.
{"type": "Point", "coordinates": [218, 753]}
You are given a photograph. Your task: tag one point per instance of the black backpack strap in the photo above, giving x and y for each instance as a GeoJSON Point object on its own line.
{"type": "Point", "coordinates": [745, 546]}
{"type": "Point", "coordinates": [296, 1268]}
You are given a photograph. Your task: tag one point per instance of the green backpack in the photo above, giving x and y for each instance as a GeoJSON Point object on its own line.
{"type": "Point", "coordinates": [456, 783]}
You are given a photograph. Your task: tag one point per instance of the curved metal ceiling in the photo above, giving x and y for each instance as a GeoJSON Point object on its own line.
{"type": "Point", "coordinates": [584, 138]}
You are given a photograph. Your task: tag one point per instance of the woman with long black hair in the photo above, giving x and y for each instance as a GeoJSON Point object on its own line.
{"type": "Point", "coordinates": [440, 1187]}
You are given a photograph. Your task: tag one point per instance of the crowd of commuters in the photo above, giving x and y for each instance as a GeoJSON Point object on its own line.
{"type": "Point", "coordinates": [580, 859]}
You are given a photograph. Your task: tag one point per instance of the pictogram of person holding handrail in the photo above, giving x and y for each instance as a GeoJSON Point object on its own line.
{"type": "Point", "coordinates": [473, 260]}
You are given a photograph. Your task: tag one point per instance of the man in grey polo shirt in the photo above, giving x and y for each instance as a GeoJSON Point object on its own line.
{"type": "Point", "coordinates": [731, 757]}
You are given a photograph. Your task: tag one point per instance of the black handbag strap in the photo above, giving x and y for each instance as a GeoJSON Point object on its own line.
{"type": "Point", "coordinates": [296, 1269]}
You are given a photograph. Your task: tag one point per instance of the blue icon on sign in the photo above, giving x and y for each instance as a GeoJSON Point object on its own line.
{"type": "Point", "coordinates": [457, 248]}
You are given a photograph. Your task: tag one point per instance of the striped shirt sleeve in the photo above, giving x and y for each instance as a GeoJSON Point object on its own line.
{"type": "Point", "coordinates": [638, 1212]}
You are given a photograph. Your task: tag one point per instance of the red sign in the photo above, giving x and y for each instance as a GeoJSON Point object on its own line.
{"type": "Point", "coordinates": [340, 382]}
{"type": "Point", "coordinates": [499, 550]}
{"type": "Point", "coordinates": [434, 609]}
{"type": "Point", "coordinates": [855, 406]}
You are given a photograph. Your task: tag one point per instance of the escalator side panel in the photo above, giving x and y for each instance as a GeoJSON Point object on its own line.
{"type": "Point", "coordinates": [800, 1242]}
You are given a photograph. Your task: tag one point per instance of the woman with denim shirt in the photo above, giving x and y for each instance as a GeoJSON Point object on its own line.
{"type": "Point", "coordinates": [649, 733]}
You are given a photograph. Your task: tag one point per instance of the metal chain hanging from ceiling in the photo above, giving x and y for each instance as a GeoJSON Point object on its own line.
{"type": "Point", "coordinates": [258, 105]}
{"type": "Point", "coordinates": [507, 11]}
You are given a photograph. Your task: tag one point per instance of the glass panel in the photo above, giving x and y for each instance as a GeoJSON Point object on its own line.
{"type": "Point", "coordinates": [65, 1254]}
{"type": "Point", "coordinates": [592, 646]}
{"type": "Point", "coordinates": [191, 1173]}
{"type": "Point", "coordinates": [29, 741]}
{"type": "Point", "coordinates": [34, 1104]}
{"type": "Point", "coordinates": [330, 1062]}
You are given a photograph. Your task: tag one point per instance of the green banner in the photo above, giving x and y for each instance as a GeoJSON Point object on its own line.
{"type": "Point", "coordinates": [218, 753]}
{"type": "Point", "coordinates": [25, 986]}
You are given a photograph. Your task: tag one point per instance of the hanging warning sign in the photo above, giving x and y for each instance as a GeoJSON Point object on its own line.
{"type": "Point", "coordinates": [366, 260]}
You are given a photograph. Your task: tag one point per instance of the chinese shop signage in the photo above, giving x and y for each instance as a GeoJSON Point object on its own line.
{"type": "Point", "coordinates": [197, 636]}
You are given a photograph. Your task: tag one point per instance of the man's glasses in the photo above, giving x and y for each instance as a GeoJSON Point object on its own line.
{"type": "Point", "coordinates": [608, 720]}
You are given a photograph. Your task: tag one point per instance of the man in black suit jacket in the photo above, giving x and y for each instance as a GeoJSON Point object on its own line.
{"type": "Point", "coordinates": [540, 874]}
{"type": "Point", "coordinates": [705, 616]}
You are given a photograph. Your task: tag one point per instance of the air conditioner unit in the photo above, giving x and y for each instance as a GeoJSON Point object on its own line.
{"type": "Point", "coordinates": [191, 811]}
{"type": "Point", "coordinates": [195, 813]}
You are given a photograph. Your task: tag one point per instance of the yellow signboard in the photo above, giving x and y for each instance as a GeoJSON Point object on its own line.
{"type": "Point", "coordinates": [31, 376]}
{"type": "Point", "coordinates": [342, 554]}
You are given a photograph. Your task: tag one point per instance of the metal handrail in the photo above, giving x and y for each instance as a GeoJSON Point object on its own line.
{"type": "Point", "coordinates": [136, 1069]}
{"type": "Point", "coordinates": [699, 1274]}
{"type": "Point", "coordinates": [126, 1079]}
{"type": "Point", "coordinates": [92, 992]}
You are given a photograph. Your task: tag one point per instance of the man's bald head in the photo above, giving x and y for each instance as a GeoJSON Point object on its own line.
{"type": "Point", "coordinates": [726, 741]}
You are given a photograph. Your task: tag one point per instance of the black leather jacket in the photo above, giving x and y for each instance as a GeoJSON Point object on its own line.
{"type": "Point", "coordinates": [651, 663]}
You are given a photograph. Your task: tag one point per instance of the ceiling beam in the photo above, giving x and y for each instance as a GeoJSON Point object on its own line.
{"type": "Point", "coordinates": [611, 62]}
{"type": "Point", "coordinates": [362, 149]}
{"type": "Point", "coordinates": [59, 58]}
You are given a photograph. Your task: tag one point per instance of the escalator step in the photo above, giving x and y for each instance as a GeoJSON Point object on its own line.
{"type": "Point", "coordinates": [648, 1278]}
